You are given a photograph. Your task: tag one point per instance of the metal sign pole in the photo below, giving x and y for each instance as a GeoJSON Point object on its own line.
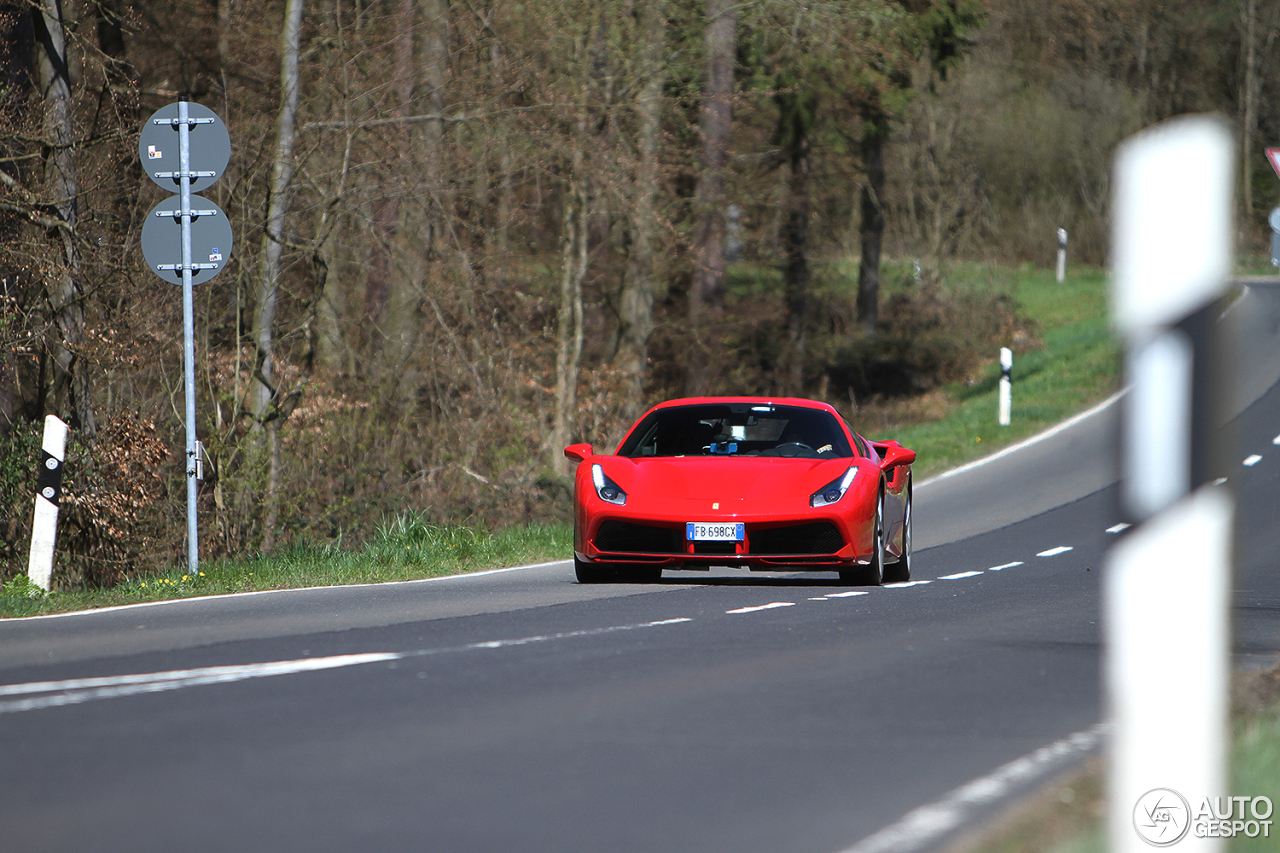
{"type": "Point", "coordinates": [202, 232]}
{"type": "Point", "coordinates": [188, 334]}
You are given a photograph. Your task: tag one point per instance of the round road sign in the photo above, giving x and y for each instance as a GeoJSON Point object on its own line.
{"type": "Point", "coordinates": [209, 147]}
{"type": "Point", "coordinates": [210, 240]}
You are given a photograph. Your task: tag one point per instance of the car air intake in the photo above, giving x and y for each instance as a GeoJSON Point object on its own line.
{"type": "Point", "coordinates": [821, 537]}
{"type": "Point", "coordinates": [625, 537]}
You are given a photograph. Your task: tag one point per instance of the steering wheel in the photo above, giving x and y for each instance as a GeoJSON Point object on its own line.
{"type": "Point", "coordinates": [792, 449]}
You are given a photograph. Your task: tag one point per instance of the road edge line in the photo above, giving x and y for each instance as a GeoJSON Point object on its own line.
{"type": "Point", "coordinates": [928, 823]}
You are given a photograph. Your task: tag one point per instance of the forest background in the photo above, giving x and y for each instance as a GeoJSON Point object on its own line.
{"type": "Point", "coordinates": [469, 232]}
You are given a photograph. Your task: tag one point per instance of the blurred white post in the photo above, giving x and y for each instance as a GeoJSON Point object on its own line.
{"type": "Point", "coordinates": [1167, 582]}
{"type": "Point", "coordinates": [1062, 255]}
{"type": "Point", "coordinates": [44, 527]}
{"type": "Point", "coordinates": [1006, 386]}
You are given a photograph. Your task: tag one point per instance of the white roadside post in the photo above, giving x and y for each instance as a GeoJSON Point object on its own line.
{"type": "Point", "coordinates": [1062, 255]}
{"type": "Point", "coordinates": [44, 527]}
{"type": "Point", "coordinates": [1167, 582]}
{"type": "Point", "coordinates": [1006, 386]}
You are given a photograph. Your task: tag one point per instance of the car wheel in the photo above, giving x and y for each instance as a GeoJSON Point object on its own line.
{"type": "Point", "coordinates": [594, 572]}
{"type": "Point", "coordinates": [870, 575]}
{"type": "Point", "coordinates": [639, 574]}
{"type": "Point", "coordinates": [900, 571]}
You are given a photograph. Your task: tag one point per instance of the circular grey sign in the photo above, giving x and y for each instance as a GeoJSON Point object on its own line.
{"type": "Point", "coordinates": [208, 147]}
{"type": "Point", "coordinates": [210, 240]}
{"type": "Point", "coordinates": [1274, 219]}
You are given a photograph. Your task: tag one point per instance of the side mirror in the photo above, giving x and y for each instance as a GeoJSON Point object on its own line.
{"type": "Point", "coordinates": [893, 454]}
{"type": "Point", "coordinates": [579, 452]}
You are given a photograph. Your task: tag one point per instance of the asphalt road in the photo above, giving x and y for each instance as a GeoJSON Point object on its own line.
{"type": "Point", "coordinates": [520, 710]}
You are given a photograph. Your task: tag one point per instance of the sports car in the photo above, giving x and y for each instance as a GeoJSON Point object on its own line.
{"type": "Point", "coordinates": [748, 482]}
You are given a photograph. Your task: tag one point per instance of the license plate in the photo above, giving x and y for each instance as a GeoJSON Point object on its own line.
{"type": "Point", "coordinates": [713, 531]}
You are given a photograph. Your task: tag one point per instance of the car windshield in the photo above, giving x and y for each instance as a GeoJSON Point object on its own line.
{"type": "Point", "coordinates": [738, 429]}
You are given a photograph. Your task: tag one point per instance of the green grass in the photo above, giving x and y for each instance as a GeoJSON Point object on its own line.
{"type": "Point", "coordinates": [1077, 366]}
{"type": "Point", "coordinates": [404, 548]}
{"type": "Point", "coordinates": [1068, 817]}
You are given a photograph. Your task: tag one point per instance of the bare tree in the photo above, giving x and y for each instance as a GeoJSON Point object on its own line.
{"type": "Point", "coordinates": [635, 302]}
{"type": "Point", "coordinates": [265, 393]}
{"type": "Point", "coordinates": [706, 295]}
{"type": "Point", "coordinates": [69, 381]}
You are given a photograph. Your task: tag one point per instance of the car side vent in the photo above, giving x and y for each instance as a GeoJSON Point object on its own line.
{"type": "Point", "coordinates": [625, 537]}
{"type": "Point", "coordinates": [821, 537]}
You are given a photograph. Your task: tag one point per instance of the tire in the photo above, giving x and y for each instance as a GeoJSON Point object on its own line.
{"type": "Point", "coordinates": [900, 571]}
{"type": "Point", "coordinates": [615, 572]}
{"type": "Point", "coordinates": [872, 574]}
{"type": "Point", "coordinates": [594, 572]}
{"type": "Point", "coordinates": [639, 574]}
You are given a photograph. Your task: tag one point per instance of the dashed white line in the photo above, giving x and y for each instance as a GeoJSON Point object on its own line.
{"type": "Point", "coordinates": [846, 594]}
{"type": "Point", "coordinates": [1276, 440]}
{"type": "Point", "coordinates": [1118, 528]}
{"type": "Point", "coordinates": [959, 575]}
{"type": "Point", "coordinates": [1252, 460]}
{"type": "Point", "coordinates": [50, 694]}
{"type": "Point", "coordinates": [760, 607]}
{"type": "Point", "coordinates": [905, 584]}
{"type": "Point", "coordinates": [1012, 565]}
{"type": "Point", "coordinates": [1053, 552]}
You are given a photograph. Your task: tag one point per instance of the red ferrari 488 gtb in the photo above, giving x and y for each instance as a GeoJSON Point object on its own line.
{"type": "Point", "coordinates": [765, 484]}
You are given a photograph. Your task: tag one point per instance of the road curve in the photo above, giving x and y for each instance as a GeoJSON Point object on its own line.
{"type": "Point", "coordinates": [518, 709]}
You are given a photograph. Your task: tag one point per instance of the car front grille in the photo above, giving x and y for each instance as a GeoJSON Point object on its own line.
{"type": "Point", "coordinates": [626, 537]}
{"type": "Point", "coordinates": [820, 537]}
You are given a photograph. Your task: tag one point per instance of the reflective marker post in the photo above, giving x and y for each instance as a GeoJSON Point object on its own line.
{"type": "Point", "coordinates": [1062, 255]}
{"type": "Point", "coordinates": [1167, 582]}
{"type": "Point", "coordinates": [44, 526]}
{"type": "Point", "coordinates": [1006, 386]}
{"type": "Point", "coordinates": [202, 231]}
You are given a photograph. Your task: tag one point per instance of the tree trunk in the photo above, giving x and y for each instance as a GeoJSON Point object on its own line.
{"type": "Point", "coordinates": [69, 382]}
{"type": "Point", "coordinates": [1249, 95]}
{"type": "Point", "coordinates": [706, 296]}
{"type": "Point", "coordinates": [569, 330]}
{"type": "Point", "coordinates": [871, 229]}
{"type": "Point", "coordinates": [795, 242]}
{"type": "Point", "coordinates": [264, 393]}
{"type": "Point", "coordinates": [635, 303]}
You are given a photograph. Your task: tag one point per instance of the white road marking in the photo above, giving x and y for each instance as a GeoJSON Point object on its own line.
{"type": "Point", "coordinates": [958, 575]}
{"type": "Point", "coordinates": [1276, 440]}
{"type": "Point", "coordinates": [846, 594]}
{"type": "Point", "coordinates": [1118, 528]}
{"type": "Point", "coordinates": [1012, 565]}
{"type": "Point", "coordinates": [50, 694]}
{"type": "Point", "coordinates": [1035, 439]}
{"type": "Point", "coordinates": [1252, 460]}
{"type": "Point", "coordinates": [71, 614]}
{"type": "Point", "coordinates": [768, 606]}
{"type": "Point", "coordinates": [1053, 552]}
{"type": "Point", "coordinates": [925, 825]}
{"type": "Point", "coordinates": [905, 584]}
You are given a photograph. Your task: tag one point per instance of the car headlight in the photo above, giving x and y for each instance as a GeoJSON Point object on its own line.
{"type": "Point", "coordinates": [833, 491]}
{"type": "Point", "coordinates": [607, 490]}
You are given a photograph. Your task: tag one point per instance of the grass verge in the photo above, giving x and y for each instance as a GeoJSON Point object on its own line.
{"type": "Point", "coordinates": [1076, 366]}
{"type": "Point", "coordinates": [1069, 816]}
{"type": "Point", "coordinates": [405, 548]}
